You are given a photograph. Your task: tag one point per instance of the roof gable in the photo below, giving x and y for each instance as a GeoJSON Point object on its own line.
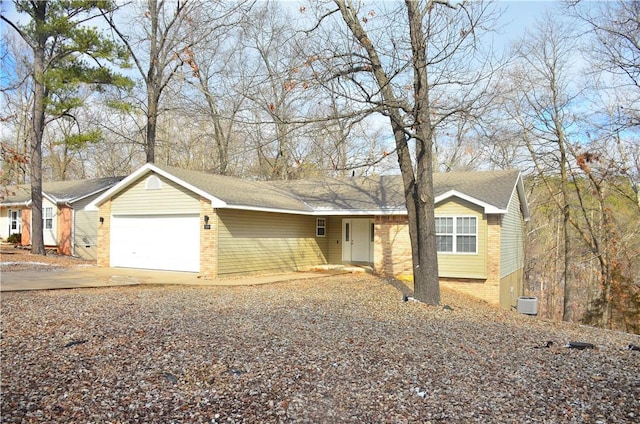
{"type": "Point", "coordinates": [222, 191]}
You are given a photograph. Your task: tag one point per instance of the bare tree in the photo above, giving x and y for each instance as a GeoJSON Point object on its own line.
{"type": "Point", "coordinates": [212, 99]}
{"type": "Point", "coordinates": [161, 37]}
{"type": "Point", "coordinates": [66, 139]}
{"type": "Point", "coordinates": [616, 47]}
{"type": "Point", "coordinates": [17, 93]}
{"type": "Point", "coordinates": [419, 64]}
{"type": "Point", "coordinates": [609, 163]}
{"type": "Point", "coordinates": [542, 108]}
{"type": "Point", "coordinates": [614, 52]}
{"type": "Point", "coordinates": [574, 158]}
{"type": "Point", "coordinates": [278, 99]}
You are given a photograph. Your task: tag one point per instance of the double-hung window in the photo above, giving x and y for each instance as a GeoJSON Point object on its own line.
{"type": "Point", "coordinates": [457, 234]}
{"type": "Point", "coordinates": [15, 220]}
{"type": "Point", "coordinates": [48, 218]}
{"type": "Point", "coordinates": [321, 227]}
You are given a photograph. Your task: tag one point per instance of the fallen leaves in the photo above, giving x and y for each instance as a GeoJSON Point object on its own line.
{"type": "Point", "coordinates": [339, 349]}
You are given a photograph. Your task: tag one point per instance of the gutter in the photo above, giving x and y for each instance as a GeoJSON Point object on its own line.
{"type": "Point", "coordinates": [14, 204]}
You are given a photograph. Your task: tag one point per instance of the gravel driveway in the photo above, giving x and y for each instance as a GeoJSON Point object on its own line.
{"type": "Point", "coordinates": [337, 349]}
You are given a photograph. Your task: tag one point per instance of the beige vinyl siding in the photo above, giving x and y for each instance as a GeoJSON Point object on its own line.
{"type": "Point", "coordinates": [251, 241]}
{"type": "Point", "coordinates": [85, 230]}
{"type": "Point", "coordinates": [334, 239]}
{"type": "Point", "coordinates": [511, 239]}
{"type": "Point", "coordinates": [169, 199]}
{"type": "Point", "coordinates": [464, 265]}
{"type": "Point", "coordinates": [511, 288]}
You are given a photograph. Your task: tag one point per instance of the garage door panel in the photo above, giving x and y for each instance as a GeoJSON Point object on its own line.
{"type": "Point", "coordinates": [163, 242]}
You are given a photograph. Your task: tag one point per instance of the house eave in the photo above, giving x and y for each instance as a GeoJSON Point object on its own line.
{"type": "Point", "coordinates": [15, 204]}
{"type": "Point", "coordinates": [319, 211]}
{"type": "Point", "coordinates": [352, 212]}
{"type": "Point", "coordinates": [84, 196]}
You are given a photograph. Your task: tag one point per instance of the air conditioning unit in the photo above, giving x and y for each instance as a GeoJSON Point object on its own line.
{"type": "Point", "coordinates": [528, 305]}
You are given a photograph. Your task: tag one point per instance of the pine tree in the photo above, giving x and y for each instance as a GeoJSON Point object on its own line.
{"type": "Point", "coordinates": [67, 55]}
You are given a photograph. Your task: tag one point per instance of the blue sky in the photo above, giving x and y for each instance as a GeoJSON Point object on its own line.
{"type": "Point", "coordinates": [522, 14]}
{"type": "Point", "coordinates": [518, 15]}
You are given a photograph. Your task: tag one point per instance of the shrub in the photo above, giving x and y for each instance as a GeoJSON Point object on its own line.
{"type": "Point", "coordinates": [15, 238]}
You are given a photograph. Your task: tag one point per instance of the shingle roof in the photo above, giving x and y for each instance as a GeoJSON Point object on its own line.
{"type": "Point", "coordinates": [371, 194]}
{"type": "Point", "coordinates": [385, 193]}
{"type": "Point", "coordinates": [363, 193]}
{"type": "Point", "coordinates": [239, 192]}
{"type": "Point", "coordinates": [492, 187]}
{"type": "Point", "coordinates": [61, 191]}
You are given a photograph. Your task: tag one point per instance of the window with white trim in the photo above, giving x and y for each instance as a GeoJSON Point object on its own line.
{"type": "Point", "coordinates": [321, 227]}
{"type": "Point", "coordinates": [14, 218]}
{"type": "Point", "coordinates": [457, 234]}
{"type": "Point", "coordinates": [47, 216]}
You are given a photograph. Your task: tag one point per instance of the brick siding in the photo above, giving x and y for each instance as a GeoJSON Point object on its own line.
{"type": "Point", "coordinates": [490, 293]}
{"type": "Point", "coordinates": [392, 246]}
{"type": "Point", "coordinates": [104, 234]}
{"type": "Point", "coordinates": [493, 250]}
{"type": "Point", "coordinates": [208, 241]}
{"type": "Point", "coordinates": [64, 230]}
{"type": "Point", "coordinates": [25, 239]}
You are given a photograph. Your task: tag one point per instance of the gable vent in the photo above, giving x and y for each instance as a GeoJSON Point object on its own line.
{"type": "Point", "coordinates": [153, 183]}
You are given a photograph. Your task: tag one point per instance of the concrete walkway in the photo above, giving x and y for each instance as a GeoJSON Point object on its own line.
{"type": "Point", "coordinates": [111, 277]}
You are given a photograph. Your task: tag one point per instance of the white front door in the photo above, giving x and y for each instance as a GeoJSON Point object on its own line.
{"type": "Point", "coordinates": [14, 221]}
{"type": "Point", "coordinates": [357, 240]}
{"type": "Point", "coordinates": [49, 226]}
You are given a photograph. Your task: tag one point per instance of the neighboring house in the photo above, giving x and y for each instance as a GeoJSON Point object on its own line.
{"type": "Point", "coordinates": [168, 218]}
{"type": "Point", "coordinates": [67, 226]}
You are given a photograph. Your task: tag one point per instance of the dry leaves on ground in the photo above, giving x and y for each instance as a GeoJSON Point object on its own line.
{"type": "Point", "coordinates": [20, 259]}
{"type": "Point", "coordinates": [334, 349]}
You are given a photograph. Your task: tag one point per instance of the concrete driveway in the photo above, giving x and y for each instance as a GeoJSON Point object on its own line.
{"type": "Point", "coordinates": [109, 277]}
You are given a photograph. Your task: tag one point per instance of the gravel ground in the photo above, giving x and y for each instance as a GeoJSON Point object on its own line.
{"type": "Point", "coordinates": [15, 259]}
{"type": "Point", "coordinates": [335, 349]}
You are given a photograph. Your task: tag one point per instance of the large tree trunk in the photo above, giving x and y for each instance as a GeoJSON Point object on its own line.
{"type": "Point", "coordinates": [152, 118]}
{"type": "Point", "coordinates": [37, 130]}
{"type": "Point", "coordinates": [153, 81]}
{"type": "Point", "coordinates": [566, 212]}
{"type": "Point", "coordinates": [425, 257]}
{"type": "Point", "coordinates": [418, 178]}
{"type": "Point", "coordinates": [418, 190]}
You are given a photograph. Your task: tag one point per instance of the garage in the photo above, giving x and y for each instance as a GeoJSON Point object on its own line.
{"type": "Point", "coordinates": [162, 242]}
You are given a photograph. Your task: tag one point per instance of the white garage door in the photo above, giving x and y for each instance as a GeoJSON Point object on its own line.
{"type": "Point", "coordinates": [164, 242]}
